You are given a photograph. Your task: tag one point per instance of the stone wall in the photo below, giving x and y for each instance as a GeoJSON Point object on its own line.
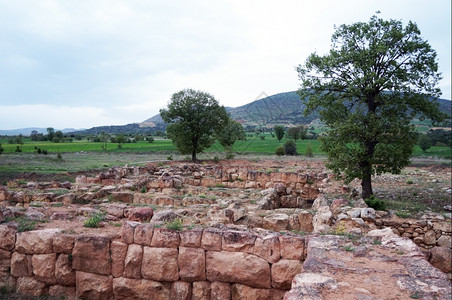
{"type": "Point", "coordinates": [151, 263]}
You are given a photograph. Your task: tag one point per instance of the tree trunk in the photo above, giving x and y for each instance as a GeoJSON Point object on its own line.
{"type": "Point", "coordinates": [193, 155]}
{"type": "Point", "coordinates": [366, 184]}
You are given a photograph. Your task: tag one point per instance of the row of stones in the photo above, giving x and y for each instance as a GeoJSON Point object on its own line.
{"type": "Point", "coordinates": [144, 253]}
{"type": "Point", "coordinates": [426, 234]}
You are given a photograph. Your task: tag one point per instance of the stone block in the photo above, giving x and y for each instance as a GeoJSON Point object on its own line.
{"type": "Point", "coordinates": [305, 221]}
{"type": "Point", "coordinates": [7, 237]}
{"type": "Point", "coordinates": [128, 231]}
{"type": "Point", "coordinates": [191, 238]}
{"type": "Point", "coordinates": [201, 290]}
{"type": "Point", "coordinates": [220, 291]}
{"type": "Point", "coordinates": [92, 254]}
{"type": "Point", "coordinates": [167, 238]}
{"type": "Point", "coordinates": [238, 241]}
{"type": "Point", "coordinates": [143, 234]}
{"type": "Point", "coordinates": [283, 272]}
{"type": "Point", "coordinates": [44, 267]}
{"type": "Point", "coordinates": [126, 288]}
{"type": "Point", "coordinates": [211, 239]}
{"type": "Point", "coordinates": [30, 286]}
{"type": "Point", "coordinates": [65, 292]}
{"type": "Point", "coordinates": [268, 247]}
{"type": "Point", "coordinates": [35, 242]}
{"type": "Point", "coordinates": [21, 265]}
{"type": "Point", "coordinates": [94, 286]}
{"type": "Point", "coordinates": [441, 258]}
{"type": "Point", "coordinates": [64, 273]}
{"type": "Point", "coordinates": [238, 267]}
{"type": "Point", "coordinates": [244, 292]}
{"type": "Point", "coordinates": [132, 262]}
{"type": "Point", "coordinates": [160, 264]}
{"type": "Point", "coordinates": [192, 264]}
{"type": "Point", "coordinates": [140, 214]}
{"type": "Point", "coordinates": [118, 255]}
{"type": "Point", "coordinates": [63, 243]}
{"type": "Point", "coordinates": [276, 222]}
{"type": "Point", "coordinates": [181, 290]}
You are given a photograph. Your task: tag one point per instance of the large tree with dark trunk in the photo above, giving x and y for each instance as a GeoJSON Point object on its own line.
{"type": "Point", "coordinates": [193, 118]}
{"type": "Point", "coordinates": [376, 78]}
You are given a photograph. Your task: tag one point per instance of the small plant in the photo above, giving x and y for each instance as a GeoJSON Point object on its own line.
{"type": "Point", "coordinates": [176, 224]}
{"type": "Point", "coordinates": [375, 203]}
{"type": "Point", "coordinates": [279, 151]}
{"type": "Point", "coordinates": [220, 185]}
{"type": "Point", "coordinates": [309, 152]}
{"type": "Point", "coordinates": [403, 214]}
{"type": "Point", "coordinates": [25, 224]}
{"type": "Point", "coordinates": [59, 157]}
{"type": "Point", "coordinates": [348, 248]}
{"type": "Point", "coordinates": [376, 242]}
{"type": "Point", "coordinates": [57, 204]}
{"type": "Point", "coordinates": [417, 295]}
{"type": "Point", "coordinates": [409, 182]}
{"type": "Point", "coordinates": [143, 189]}
{"type": "Point", "coordinates": [169, 157]}
{"type": "Point", "coordinates": [339, 229]}
{"type": "Point", "coordinates": [94, 220]}
{"type": "Point", "coordinates": [253, 201]}
{"type": "Point", "coordinates": [216, 159]}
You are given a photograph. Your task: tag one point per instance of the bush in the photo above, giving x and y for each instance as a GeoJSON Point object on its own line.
{"type": "Point", "coordinates": [150, 139]}
{"type": "Point", "coordinates": [375, 203]}
{"type": "Point", "coordinates": [175, 225]}
{"type": "Point", "coordinates": [18, 149]}
{"type": "Point", "coordinates": [279, 150]}
{"type": "Point", "coordinates": [309, 152]}
{"type": "Point", "coordinates": [94, 221]}
{"type": "Point", "coordinates": [1, 148]}
{"type": "Point", "coordinates": [290, 148]}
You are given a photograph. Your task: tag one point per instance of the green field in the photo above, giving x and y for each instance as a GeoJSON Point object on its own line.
{"type": "Point", "coordinates": [84, 155]}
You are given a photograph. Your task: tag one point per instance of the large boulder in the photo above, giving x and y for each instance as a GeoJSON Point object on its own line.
{"type": "Point", "coordinates": [441, 258]}
{"type": "Point", "coordinates": [92, 254]}
{"type": "Point", "coordinates": [238, 267]}
{"type": "Point", "coordinates": [322, 219]}
{"type": "Point", "coordinates": [94, 286]}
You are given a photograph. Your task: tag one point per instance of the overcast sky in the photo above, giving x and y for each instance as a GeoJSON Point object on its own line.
{"type": "Point", "coordinates": [80, 63]}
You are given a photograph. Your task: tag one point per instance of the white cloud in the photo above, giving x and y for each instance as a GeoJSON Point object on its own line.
{"type": "Point", "coordinates": [119, 62]}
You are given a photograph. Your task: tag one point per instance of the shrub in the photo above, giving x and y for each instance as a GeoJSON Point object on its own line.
{"type": "Point", "coordinates": [170, 157]}
{"type": "Point", "coordinates": [290, 148]}
{"type": "Point", "coordinates": [375, 203]}
{"type": "Point", "coordinates": [94, 221]}
{"type": "Point", "coordinates": [25, 224]}
{"type": "Point", "coordinates": [279, 150]}
{"type": "Point", "coordinates": [18, 149]}
{"type": "Point", "coordinates": [1, 148]}
{"type": "Point", "coordinates": [176, 224]}
{"type": "Point", "coordinates": [150, 139]}
{"type": "Point", "coordinates": [309, 152]}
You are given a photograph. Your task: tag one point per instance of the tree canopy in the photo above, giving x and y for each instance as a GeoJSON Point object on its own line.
{"type": "Point", "coordinates": [229, 134]}
{"type": "Point", "coordinates": [279, 132]}
{"type": "Point", "coordinates": [193, 117]}
{"type": "Point", "coordinates": [377, 76]}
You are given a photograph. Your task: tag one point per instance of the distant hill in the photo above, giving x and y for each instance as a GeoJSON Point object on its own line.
{"type": "Point", "coordinates": [27, 131]}
{"type": "Point", "coordinates": [280, 109]}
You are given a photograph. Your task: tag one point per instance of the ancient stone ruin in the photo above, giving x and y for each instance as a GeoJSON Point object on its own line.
{"type": "Point", "coordinates": [194, 231]}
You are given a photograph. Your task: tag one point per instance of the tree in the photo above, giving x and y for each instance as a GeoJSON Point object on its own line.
{"type": "Point", "coordinates": [229, 134]}
{"type": "Point", "coordinates": [50, 133]}
{"type": "Point", "coordinates": [58, 137]}
{"type": "Point", "coordinates": [193, 117]}
{"type": "Point", "coordinates": [103, 138]}
{"type": "Point", "coordinates": [1, 148]}
{"type": "Point", "coordinates": [290, 148]}
{"type": "Point", "coordinates": [375, 79]}
{"type": "Point", "coordinates": [424, 142]}
{"type": "Point", "coordinates": [279, 132]}
{"type": "Point", "coordinates": [296, 133]}
{"type": "Point", "coordinates": [34, 135]}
